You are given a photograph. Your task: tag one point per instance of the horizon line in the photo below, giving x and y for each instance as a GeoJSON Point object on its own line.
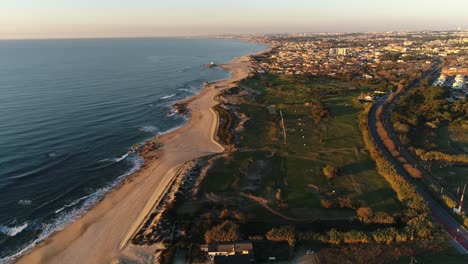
{"type": "Point", "coordinates": [233, 34]}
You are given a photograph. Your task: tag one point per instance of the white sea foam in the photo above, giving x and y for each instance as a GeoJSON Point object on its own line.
{"type": "Point", "coordinates": [171, 129]}
{"type": "Point", "coordinates": [65, 218]}
{"type": "Point", "coordinates": [168, 96]}
{"type": "Point", "coordinates": [121, 158]}
{"type": "Point", "coordinates": [186, 90]}
{"type": "Point", "coordinates": [149, 129]}
{"type": "Point", "coordinates": [12, 230]}
{"type": "Point", "coordinates": [72, 203]}
{"type": "Point", "coordinates": [24, 202]}
{"type": "Point", "coordinates": [118, 159]}
{"type": "Point", "coordinates": [171, 113]}
{"type": "Point", "coordinates": [52, 154]}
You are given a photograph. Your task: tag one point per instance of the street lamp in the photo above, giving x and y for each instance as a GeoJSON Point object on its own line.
{"type": "Point", "coordinates": [458, 231]}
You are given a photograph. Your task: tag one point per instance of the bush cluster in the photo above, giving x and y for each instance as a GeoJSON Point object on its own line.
{"type": "Point", "coordinates": [224, 232]}
{"type": "Point", "coordinates": [285, 233]}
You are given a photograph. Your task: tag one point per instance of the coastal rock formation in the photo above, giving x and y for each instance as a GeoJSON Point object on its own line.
{"type": "Point", "coordinates": [146, 150]}
{"type": "Point", "coordinates": [181, 109]}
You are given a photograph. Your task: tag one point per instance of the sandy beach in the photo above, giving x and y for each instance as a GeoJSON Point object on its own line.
{"type": "Point", "coordinates": [102, 235]}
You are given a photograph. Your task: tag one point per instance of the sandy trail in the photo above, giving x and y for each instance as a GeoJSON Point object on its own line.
{"type": "Point", "coordinates": [102, 234]}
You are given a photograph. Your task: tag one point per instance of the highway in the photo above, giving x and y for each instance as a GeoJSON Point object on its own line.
{"type": "Point", "coordinates": [455, 230]}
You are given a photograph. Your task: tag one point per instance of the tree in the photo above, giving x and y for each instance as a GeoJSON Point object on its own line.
{"type": "Point", "coordinates": [224, 214]}
{"type": "Point", "coordinates": [382, 218]}
{"type": "Point", "coordinates": [364, 213]}
{"type": "Point", "coordinates": [330, 172]}
{"type": "Point", "coordinates": [326, 203]}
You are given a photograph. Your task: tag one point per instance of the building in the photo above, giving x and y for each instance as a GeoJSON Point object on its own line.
{"type": "Point", "coordinates": [440, 81]}
{"type": "Point", "coordinates": [459, 82]}
{"type": "Point", "coordinates": [338, 51]}
{"type": "Point", "coordinates": [229, 249]}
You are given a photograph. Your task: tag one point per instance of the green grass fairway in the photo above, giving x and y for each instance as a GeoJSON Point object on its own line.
{"type": "Point", "coordinates": [264, 162]}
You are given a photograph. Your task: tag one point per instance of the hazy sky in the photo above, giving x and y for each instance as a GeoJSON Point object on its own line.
{"type": "Point", "coordinates": [116, 18]}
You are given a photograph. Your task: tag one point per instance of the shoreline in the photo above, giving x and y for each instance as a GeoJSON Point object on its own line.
{"type": "Point", "coordinates": [103, 233]}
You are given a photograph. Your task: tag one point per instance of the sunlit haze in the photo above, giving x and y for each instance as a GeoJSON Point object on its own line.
{"type": "Point", "coordinates": [125, 18]}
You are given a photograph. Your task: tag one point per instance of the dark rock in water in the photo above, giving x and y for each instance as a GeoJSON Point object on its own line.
{"type": "Point", "coordinates": [211, 65]}
{"type": "Point", "coordinates": [181, 108]}
{"type": "Point", "coordinates": [142, 150]}
{"type": "Point", "coordinates": [136, 148]}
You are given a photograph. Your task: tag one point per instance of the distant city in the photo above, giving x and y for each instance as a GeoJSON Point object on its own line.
{"type": "Point", "coordinates": [373, 56]}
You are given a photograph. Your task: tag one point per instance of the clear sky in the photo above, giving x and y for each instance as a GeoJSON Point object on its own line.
{"type": "Point", "coordinates": [132, 18]}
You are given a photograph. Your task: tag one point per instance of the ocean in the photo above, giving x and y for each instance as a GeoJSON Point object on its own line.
{"type": "Point", "coordinates": [71, 109]}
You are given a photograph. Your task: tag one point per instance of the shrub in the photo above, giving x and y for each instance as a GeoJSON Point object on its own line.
{"type": "Point", "coordinates": [382, 218]}
{"type": "Point", "coordinates": [364, 213]}
{"type": "Point", "coordinates": [330, 172]}
{"type": "Point", "coordinates": [448, 201]}
{"type": "Point", "coordinates": [347, 202]}
{"type": "Point", "coordinates": [224, 214]}
{"type": "Point", "coordinates": [225, 232]}
{"type": "Point", "coordinates": [208, 215]}
{"type": "Point", "coordinates": [386, 235]}
{"type": "Point", "coordinates": [401, 237]}
{"type": "Point", "coordinates": [327, 203]}
{"type": "Point", "coordinates": [334, 237]}
{"type": "Point", "coordinates": [354, 236]}
{"type": "Point", "coordinates": [285, 233]}
{"type": "Point", "coordinates": [283, 206]}
{"type": "Point", "coordinates": [239, 216]}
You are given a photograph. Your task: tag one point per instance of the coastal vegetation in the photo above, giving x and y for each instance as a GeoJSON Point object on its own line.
{"type": "Point", "coordinates": [300, 169]}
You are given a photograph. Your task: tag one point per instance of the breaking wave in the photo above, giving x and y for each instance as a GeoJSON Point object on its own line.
{"type": "Point", "coordinates": [168, 96]}
{"type": "Point", "coordinates": [119, 159]}
{"type": "Point", "coordinates": [13, 230]}
{"type": "Point", "coordinates": [64, 218]}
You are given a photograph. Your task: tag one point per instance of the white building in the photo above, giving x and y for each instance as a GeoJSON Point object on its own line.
{"type": "Point", "coordinates": [338, 51]}
{"type": "Point", "coordinates": [440, 81]}
{"type": "Point", "coordinates": [459, 82]}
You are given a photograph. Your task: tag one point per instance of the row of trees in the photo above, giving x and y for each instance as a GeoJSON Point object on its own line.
{"type": "Point", "coordinates": [405, 191]}
{"type": "Point", "coordinates": [416, 216]}
{"type": "Point", "coordinates": [335, 237]}
{"type": "Point", "coordinates": [441, 156]}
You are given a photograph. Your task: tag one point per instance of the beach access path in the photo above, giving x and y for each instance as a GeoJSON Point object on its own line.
{"type": "Point", "coordinates": [102, 235]}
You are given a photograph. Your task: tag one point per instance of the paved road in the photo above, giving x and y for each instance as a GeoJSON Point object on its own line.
{"type": "Point", "coordinates": [460, 239]}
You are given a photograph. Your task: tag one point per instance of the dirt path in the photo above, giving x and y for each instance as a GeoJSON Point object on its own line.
{"type": "Point", "coordinates": [264, 203]}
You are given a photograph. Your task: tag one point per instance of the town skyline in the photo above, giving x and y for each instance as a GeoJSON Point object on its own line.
{"type": "Point", "coordinates": [142, 18]}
